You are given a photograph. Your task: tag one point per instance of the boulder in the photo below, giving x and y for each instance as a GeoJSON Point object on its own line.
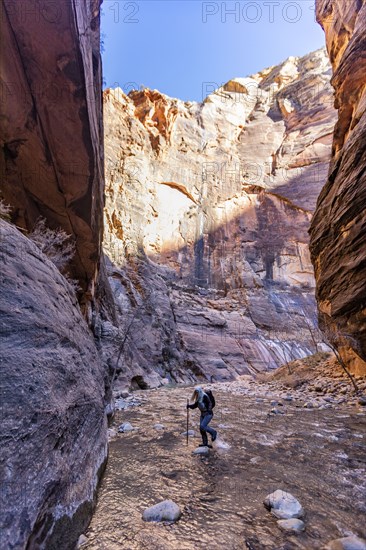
{"type": "Point", "coordinates": [283, 505]}
{"type": "Point", "coordinates": [293, 525]}
{"type": "Point", "coordinates": [125, 427]}
{"type": "Point", "coordinates": [346, 543]}
{"type": "Point", "coordinates": [82, 541]}
{"type": "Point", "coordinates": [167, 510]}
{"type": "Point", "coordinates": [201, 451]}
{"type": "Point", "coordinates": [190, 433]}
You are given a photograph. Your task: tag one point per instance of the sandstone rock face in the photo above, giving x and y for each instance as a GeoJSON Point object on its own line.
{"type": "Point", "coordinates": [207, 211]}
{"type": "Point", "coordinates": [54, 434]}
{"type": "Point", "coordinates": [51, 157]}
{"type": "Point", "coordinates": [338, 229]}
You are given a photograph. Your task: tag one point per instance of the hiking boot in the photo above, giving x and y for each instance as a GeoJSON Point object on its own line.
{"type": "Point", "coordinates": [213, 437]}
{"type": "Point", "coordinates": [203, 445]}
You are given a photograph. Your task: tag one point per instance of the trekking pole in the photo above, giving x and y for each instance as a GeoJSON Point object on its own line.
{"type": "Point", "coordinates": [187, 419]}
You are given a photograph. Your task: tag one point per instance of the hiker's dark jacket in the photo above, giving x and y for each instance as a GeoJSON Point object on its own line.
{"type": "Point", "coordinates": [204, 406]}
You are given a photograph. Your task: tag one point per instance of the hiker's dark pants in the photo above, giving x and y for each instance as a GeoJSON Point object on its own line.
{"type": "Point", "coordinates": [204, 421]}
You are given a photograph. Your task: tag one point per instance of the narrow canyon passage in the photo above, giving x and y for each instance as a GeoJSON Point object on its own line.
{"type": "Point", "coordinates": [187, 210]}
{"type": "Point", "coordinates": [316, 455]}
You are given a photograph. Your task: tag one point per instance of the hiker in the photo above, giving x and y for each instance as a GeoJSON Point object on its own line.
{"type": "Point", "coordinates": [205, 402]}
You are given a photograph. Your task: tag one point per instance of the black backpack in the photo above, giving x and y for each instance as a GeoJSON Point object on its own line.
{"type": "Point", "coordinates": [211, 398]}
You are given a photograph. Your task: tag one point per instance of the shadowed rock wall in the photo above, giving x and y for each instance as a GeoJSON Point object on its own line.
{"type": "Point", "coordinates": [53, 422]}
{"type": "Point", "coordinates": [51, 155]}
{"type": "Point", "coordinates": [338, 229]}
{"type": "Point", "coordinates": [53, 425]}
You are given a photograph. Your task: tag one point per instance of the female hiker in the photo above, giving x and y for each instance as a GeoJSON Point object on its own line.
{"type": "Point", "coordinates": [205, 402]}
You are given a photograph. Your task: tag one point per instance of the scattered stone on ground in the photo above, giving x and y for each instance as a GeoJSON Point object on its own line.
{"type": "Point", "coordinates": [346, 543]}
{"type": "Point", "coordinates": [112, 433]}
{"type": "Point", "coordinates": [159, 427]}
{"type": "Point", "coordinates": [264, 453]}
{"type": "Point", "coordinates": [283, 505]}
{"type": "Point", "coordinates": [81, 541]}
{"type": "Point", "coordinates": [292, 525]}
{"type": "Point", "coordinates": [191, 433]}
{"type": "Point", "coordinates": [200, 451]}
{"type": "Point", "coordinates": [221, 444]}
{"type": "Point", "coordinates": [125, 427]}
{"type": "Point", "coordinates": [167, 510]}
{"type": "Point", "coordinates": [277, 411]}
{"type": "Point", "coordinates": [256, 459]}
{"type": "Point", "coordinates": [123, 403]}
{"type": "Point", "coordinates": [313, 382]}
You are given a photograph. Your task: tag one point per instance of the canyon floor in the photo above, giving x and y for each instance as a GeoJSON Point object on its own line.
{"type": "Point", "coordinates": [306, 438]}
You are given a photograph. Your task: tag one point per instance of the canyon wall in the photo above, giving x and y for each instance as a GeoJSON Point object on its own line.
{"type": "Point", "coordinates": [338, 229]}
{"type": "Point", "coordinates": [54, 385]}
{"type": "Point", "coordinates": [51, 156]}
{"type": "Point", "coordinates": [53, 425]}
{"type": "Point", "coordinates": [208, 207]}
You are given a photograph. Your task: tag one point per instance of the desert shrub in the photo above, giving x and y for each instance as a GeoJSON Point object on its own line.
{"type": "Point", "coordinates": [5, 210]}
{"type": "Point", "coordinates": [56, 244]}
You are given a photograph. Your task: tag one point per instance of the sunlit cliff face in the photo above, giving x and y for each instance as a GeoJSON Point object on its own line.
{"type": "Point", "coordinates": [207, 213]}
{"type": "Point", "coordinates": [195, 175]}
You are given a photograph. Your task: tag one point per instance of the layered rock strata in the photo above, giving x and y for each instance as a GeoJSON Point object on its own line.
{"type": "Point", "coordinates": [207, 211]}
{"type": "Point", "coordinates": [338, 229]}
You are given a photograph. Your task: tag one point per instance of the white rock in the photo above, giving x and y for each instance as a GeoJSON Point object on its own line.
{"type": "Point", "coordinates": [200, 451]}
{"type": "Point", "coordinates": [81, 541]}
{"type": "Point", "coordinates": [109, 409]}
{"type": "Point", "coordinates": [256, 459]}
{"type": "Point", "coordinates": [291, 525]}
{"type": "Point", "coordinates": [159, 427]}
{"type": "Point", "coordinates": [125, 427]}
{"type": "Point", "coordinates": [190, 433]}
{"type": "Point", "coordinates": [277, 411]}
{"type": "Point", "coordinates": [346, 543]}
{"type": "Point", "coordinates": [112, 433]}
{"type": "Point", "coordinates": [166, 510]}
{"type": "Point", "coordinates": [221, 444]}
{"type": "Point", "coordinates": [283, 505]}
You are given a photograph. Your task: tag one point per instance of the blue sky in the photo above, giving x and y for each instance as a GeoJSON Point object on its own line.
{"type": "Point", "coordinates": [184, 47]}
